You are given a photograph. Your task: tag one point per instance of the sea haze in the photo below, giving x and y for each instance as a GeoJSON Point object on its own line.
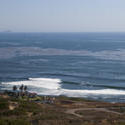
{"type": "Point", "coordinates": [89, 65]}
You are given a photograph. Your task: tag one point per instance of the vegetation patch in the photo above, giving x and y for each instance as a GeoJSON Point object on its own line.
{"type": "Point", "coordinates": [35, 111]}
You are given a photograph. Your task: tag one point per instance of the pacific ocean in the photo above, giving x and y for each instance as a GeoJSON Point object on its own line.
{"type": "Point", "coordinates": [88, 65]}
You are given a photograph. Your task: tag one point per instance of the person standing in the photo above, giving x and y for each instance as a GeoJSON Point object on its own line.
{"type": "Point", "coordinates": [25, 90]}
{"type": "Point", "coordinates": [21, 90]}
{"type": "Point", "coordinates": [14, 90]}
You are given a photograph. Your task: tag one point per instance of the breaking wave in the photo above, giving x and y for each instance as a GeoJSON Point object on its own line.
{"type": "Point", "coordinates": [47, 83]}
{"type": "Point", "coordinates": [51, 86]}
{"type": "Point", "coordinates": [80, 93]}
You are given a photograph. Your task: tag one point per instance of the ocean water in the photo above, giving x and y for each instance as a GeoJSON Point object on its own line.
{"type": "Point", "coordinates": [88, 65]}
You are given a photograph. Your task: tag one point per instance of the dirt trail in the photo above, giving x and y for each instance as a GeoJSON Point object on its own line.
{"type": "Point", "coordinates": [72, 111]}
{"type": "Point", "coordinates": [13, 105]}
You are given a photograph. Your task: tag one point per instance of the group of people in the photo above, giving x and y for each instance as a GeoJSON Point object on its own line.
{"type": "Point", "coordinates": [21, 88]}
{"type": "Point", "coordinates": [22, 91]}
{"type": "Point", "coordinates": [49, 100]}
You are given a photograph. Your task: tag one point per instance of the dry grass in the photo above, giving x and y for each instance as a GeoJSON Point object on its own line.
{"type": "Point", "coordinates": [23, 112]}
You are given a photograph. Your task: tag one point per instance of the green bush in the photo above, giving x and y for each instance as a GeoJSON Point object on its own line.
{"type": "Point", "coordinates": [29, 106]}
{"type": "Point", "coordinates": [3, 105]}
{"type": "Point", "coordinates": [15, 112]}
{"type": "Point", "coordinates": [13, 122]}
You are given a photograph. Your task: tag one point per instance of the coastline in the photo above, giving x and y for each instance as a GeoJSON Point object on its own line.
{"type": "Point", "coordinates": [63, 111]}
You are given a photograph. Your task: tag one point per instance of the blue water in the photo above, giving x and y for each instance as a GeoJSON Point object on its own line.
{"type": "Point", "coordinates": [93, 64]}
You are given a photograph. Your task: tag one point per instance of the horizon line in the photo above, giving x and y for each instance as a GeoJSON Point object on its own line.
{"type": "Point", "coordinates": [62, 32]}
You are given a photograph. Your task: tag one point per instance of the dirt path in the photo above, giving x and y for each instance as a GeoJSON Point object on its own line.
{"type": "Point", "coordinates": [13, 105]}
{"type": "Point", "coordinates": [72, 111]}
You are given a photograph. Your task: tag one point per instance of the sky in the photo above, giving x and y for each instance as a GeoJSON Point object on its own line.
{"type": "Point", "coordinates": [62, 15]}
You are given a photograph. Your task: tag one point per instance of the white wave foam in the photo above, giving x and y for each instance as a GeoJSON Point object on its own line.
{"type": "Point", "coordinates": [80, 93]}
{"type": "Point", "coordinates": [49, 86]}
{"type": "Point", "coordinates": [38, 82]}
{"type": "Point", "coordinates": [84, 93]}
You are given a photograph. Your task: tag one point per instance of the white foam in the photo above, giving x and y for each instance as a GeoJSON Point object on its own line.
{"type": "Point", "coordinates": [49, 86]}
{"type": "Point", "coordinates": [38, 82]}
{"type": "Point", "coordinates": [80, 93]}
{"type": "Point", "coordinates": [84, 93]}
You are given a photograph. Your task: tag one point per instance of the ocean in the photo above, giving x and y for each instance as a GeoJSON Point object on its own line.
{"type": "Point", "coordinates": [87, 65]}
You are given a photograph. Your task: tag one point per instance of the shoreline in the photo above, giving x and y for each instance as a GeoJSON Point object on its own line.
{"type": "Point", "coordinates": [62, 111]}
{"type": "Point", "coordinates": [77, 98]}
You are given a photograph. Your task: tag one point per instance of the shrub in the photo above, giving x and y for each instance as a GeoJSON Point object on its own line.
{"type": "Point", "coordinates": [13, 122]}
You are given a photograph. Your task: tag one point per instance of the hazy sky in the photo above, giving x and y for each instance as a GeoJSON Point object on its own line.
{"type": "Point", "coordinates": [62, 15]}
